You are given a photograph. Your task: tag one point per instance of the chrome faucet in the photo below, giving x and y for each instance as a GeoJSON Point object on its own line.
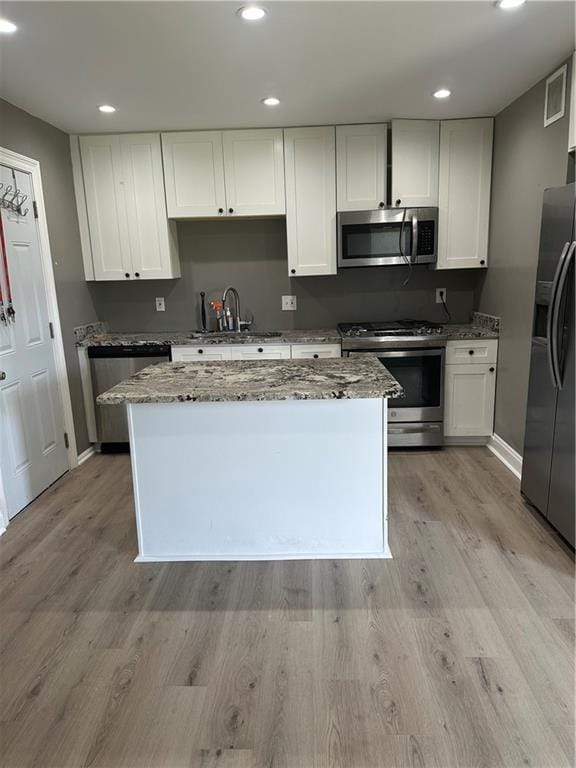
{"type": "Point", "coordinates": [237, 322]}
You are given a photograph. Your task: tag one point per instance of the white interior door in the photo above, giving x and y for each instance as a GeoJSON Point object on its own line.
{"type": "Point", "coordinates": [32, 450]}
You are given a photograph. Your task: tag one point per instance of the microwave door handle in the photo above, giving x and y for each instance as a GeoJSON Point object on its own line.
{"type": "Point", "coordinates": [551, 330]}
{"type": "Point", "coordinates": [414, 238]}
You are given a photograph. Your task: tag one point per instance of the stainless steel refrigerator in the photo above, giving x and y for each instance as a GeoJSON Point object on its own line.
{"type": "Point", "coordinates": [548, 462]}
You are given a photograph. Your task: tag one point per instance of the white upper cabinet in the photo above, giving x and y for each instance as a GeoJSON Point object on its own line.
{"type": "Point", "coordinates": [224, 173]}
{"type": "Point", "coordinates": [128, 230]}
{"type": "Point", "coordinates": [464, 193]}
{"type": "Point", "coordinates": [254, 172]}
{"type": "Point", "coordinates": [194, 174]}
{"type": "Point", "coordinates": [310, 155]}
{"type": "Point", "coordinates": [415, 153]}
{"type": "Point", "coordinates": [105, 190]}
{"type": "Point", "coordinates": [361, 167]}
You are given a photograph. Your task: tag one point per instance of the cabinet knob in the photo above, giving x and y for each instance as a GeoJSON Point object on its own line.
{"type": "Point", "coordinates": [136, 274]}
{"type": "Point", "coordinates": [127, 274]}
{"type": "Point", "coordinates": [492, 370]}
{"type": "Point", "coordinates": [260, 349]}
{"type": "Point", "coordinates": [482, 262]}
{"type": "Point", "coordinates": [220, 210]}
{"type": "Point", "coordinates": [2, 375]}
{"type": "Point", "coordinates": [381, 205]}
{"type": "Point", "coordinates": [230, 210]}
{"type": "Point", "coordinates": [200, 351]}
{"type": "Point", "coordinates": [292, 271]}
{"type": "Point", "coordinates": [470, 351]}
{"type": "Point", "coordinates": [398, 201]}
{"type": "Point", "coordinates": [315, 357]}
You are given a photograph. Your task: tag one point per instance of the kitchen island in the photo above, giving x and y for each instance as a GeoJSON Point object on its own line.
{"type": "Point", "coordinates": [259, 460]}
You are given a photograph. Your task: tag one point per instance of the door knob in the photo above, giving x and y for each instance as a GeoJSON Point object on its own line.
{"type": "Point", "coordinates": [2, 375]}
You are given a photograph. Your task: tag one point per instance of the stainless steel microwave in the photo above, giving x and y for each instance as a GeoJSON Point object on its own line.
{"type": "Point", "coordinates": [387, 236]}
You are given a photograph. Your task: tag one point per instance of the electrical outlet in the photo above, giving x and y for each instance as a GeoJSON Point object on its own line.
{"type": "Point", "coordinates": [160, 305]}
{"type": "Point", "coordinates": [440, 294]}
{"type": "Point", "coordinates": [289, 303]}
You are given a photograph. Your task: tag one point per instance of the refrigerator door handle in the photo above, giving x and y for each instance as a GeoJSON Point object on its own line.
{"type": "Point", "coordinates": [551, 337]}
{"type": "Point", "coordinates": [556, 310]}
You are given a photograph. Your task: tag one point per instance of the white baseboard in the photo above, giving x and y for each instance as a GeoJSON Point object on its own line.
{"type": "Point", "coordinates": [85, 455]}
{"type": "Point", "coordinates": [507, 455]}
{"type": "Point", "coordinates": [2, 531]}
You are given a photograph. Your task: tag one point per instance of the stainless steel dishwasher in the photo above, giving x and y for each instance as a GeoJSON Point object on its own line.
{"type": "Point", "coordinates": [109, 366]}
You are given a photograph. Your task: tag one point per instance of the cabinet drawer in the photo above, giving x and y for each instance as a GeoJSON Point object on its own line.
{"type": "Point", "coordinates": [472, 351]}
{"type": "Point", "coordinates": [314, 351]}
{"type": "Point", "coordinates": [260, 352]}
{"type": "Point", "coordinates": [190, 354]}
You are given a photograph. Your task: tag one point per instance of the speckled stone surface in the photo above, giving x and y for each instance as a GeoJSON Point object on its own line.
{"type": "Point", "coordinates": [198, 339]}
{"type": "Point", "coordinates": [462, 331]}
{"type": "Point", "coordinates": [327, 379]}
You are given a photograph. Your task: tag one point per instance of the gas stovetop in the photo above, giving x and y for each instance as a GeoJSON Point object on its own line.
{"type": "Point", "coordinates": [395, 333]}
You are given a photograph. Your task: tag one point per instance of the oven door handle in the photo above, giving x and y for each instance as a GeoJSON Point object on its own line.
{"type": "Point", "coordinates": [437, 352]}
{"type": "Point", "coordinates": [414, 238]}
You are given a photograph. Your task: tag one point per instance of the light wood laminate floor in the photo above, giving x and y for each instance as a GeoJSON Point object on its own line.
{"type": "Point", "coordinates": [457, 653]}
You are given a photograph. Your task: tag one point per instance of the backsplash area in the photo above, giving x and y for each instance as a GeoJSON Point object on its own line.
{"type": "Point", "coordinates": [251, 255]}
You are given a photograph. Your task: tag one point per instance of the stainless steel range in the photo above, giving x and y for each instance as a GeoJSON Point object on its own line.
{"type": "Point", "coordinates": [413, 351]}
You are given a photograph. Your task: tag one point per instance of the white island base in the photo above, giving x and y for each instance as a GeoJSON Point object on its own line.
{"type": "Point", "coordinates": [260, 480]}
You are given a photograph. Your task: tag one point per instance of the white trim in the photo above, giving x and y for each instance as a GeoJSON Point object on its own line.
{"type": "Point", "coordinates": [507, 455]}
{"type": "Point", "coordinates": [2, 531]}
{"type": "Point", "coordinates": [3, 508]}
{"type": "Point", "coordinates": [560, 72]}
{"type": "Point", "coordinates": [88, 393]}
{"type": "Point", "coordinates": [31, 166]}
{"type": "Point", "coordinates": [81, 208]}
{"type": "Point", "coordinates": [85, 455]}
{"type": "Point", "coordinates": [384, 555]}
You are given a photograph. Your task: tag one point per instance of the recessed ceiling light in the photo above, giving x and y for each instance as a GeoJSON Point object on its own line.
{"type": "Point", "coordinates": [507, 4]}
{"type": "Point", "coordinates": [271, 101]}
{"type": "Point", "coordinates": [252, 12]}
{"type": "Point", "coordinates": [442, 93]}
{"type": "Point", "coordinates": [107, 108]}
{"type": "Point", "coordinates": [7, 27]}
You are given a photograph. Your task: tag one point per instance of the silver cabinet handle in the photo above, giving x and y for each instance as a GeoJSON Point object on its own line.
{"type": "Point", "coordinates": [2, 375]}
{"type": "Point", "coordinates": [414, 238]}
{"type": "Point", "coordinates": [556, 312]}
{"type": "Point", "coordinates": [550, 336]}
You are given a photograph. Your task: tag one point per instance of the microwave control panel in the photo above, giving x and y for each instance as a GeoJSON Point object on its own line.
{"type": "Point", "coordinates": [426, 238]}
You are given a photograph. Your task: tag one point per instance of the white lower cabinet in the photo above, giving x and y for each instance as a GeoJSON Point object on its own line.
{"type": "Point", "coordinates": [314, 351]}
{"type": "Point", "coordinates": [186, 354]}
{"type": "Point", "coordinates": [470, 388]}
{"type": "Point", "coordinates": [260, 352]}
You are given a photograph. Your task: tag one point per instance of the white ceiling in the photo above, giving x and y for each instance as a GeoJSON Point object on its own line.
{"type": "Point", "coordinates": [175, 65]}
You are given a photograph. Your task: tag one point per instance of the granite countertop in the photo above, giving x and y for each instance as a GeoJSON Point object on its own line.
{"type": "Point", "coordinates": [199, 339]}
{"type": "Point", "coordinates": [462, 331]}
{"type": "Point", "coordinates": [327, 379]}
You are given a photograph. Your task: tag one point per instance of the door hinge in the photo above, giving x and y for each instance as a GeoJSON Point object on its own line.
{"type": "Point", "coordinates": [35, 208]}
{"type": "Point", "coordinates": [51, 327]}
{"type": "Point", "coordinates": [66, 441]}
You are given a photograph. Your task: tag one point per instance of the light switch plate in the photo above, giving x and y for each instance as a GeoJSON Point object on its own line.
{"type": "Point", "coordinates": [440, 292]}
{"type": "Point", "coordinates": [160, 305]}
{"type": "Point", "coordinates": [289, 303]}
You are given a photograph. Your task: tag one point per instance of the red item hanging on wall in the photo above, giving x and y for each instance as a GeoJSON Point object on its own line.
{"type": "Point", "coordinates": [6, 315]}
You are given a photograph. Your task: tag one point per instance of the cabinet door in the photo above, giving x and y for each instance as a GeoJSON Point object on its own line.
{"type": "Point", "coordinates": [464, 193]}
{"type": "Point", "coordinates": [360, 167]}
{"type": "Point", "coordinates": [260, 352]}
{"type": "Point", "coordinates": [254, 172]}
{"type": "Point", "coordinates": [152, 238]}
{"type": "Point", "coordinates": [415, 153]}
{"type": "Point", "coordinates": [184, 354]}
{"type": "Point", "coordinates": [469, 400]}
{"type": "Point", "coordinates": [315, 351]}
{"type": "Point", "coordinates": [105, 190]}
{"type": "Point", "coordinates": [194, 174]}
{"type": "Point", "coordinates": [310, 158]}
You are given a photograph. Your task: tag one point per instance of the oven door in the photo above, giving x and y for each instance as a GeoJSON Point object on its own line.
{"type": "Point", "coordinates": [421, 374]}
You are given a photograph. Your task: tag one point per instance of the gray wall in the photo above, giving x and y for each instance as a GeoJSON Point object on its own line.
{"type": "Point", "coordinates": [29, 136]}
{"type": "Point", "coordinates": [251, 255]}
{"type": "Point", "coordinates": [527, 159]}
